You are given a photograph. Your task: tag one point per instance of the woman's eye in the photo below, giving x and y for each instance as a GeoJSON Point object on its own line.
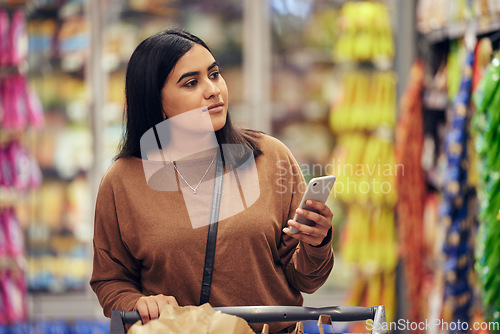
{"type": "Point", "coordinates": [191, 83]}
{"type": "Point", "coordinates": [214, 75]}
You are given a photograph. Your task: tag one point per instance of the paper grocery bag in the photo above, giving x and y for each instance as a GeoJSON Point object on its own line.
{"type": "Point", "coordinates": [225, 323]}
{"type": "Point", "coordinates": [192, 319]}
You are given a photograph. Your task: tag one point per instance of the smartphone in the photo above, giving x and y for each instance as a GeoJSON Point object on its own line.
{"type": "Point", "coordinates": [318, 189]}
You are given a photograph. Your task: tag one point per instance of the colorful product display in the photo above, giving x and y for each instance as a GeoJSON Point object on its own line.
{"type": "Point", "coordinates": [20, 107]}
{"type": "Point", "coordinates": [362, 119]}
{"type": "Point", "coordinates": [12, 234]}
{"type": "Point", "coordinates": [20, 110]}
{"type": "Point", "coordinates": [467, 254]}
{"type": "Point", "coordinates": [367, 102]}
{"type": "Point", "coordinates": [365, 32]}
{"type": "Point", "coordinates": [412, 192]}
{"type": "Point", "coordinates": [435, 15]}
{"type": "Point", "coordinates": [19, 170]}
{"type": "Point", "coordinates": [366, 173]}
{"type": "Point", "coordinates": [486, 125]}
{"type": "Point", "coordinates": [457, 210]}
{"type": "Point", "coordinates": [13, 296]}
{"type": "Point", "coordinates": [13, 43]}
{"type": "Point", "coordinates": [58, 255]}
{"type": "Point", "coordinates": [59, 232]}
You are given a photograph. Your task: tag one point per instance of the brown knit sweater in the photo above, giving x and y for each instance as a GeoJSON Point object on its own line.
{"type": "Point", "coordinates": [145, 242]}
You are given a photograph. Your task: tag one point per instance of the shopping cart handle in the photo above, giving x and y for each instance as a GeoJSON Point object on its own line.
{"type": "Point", "coordinates": [277, 313]}
{"type": "Point", "coordinates": [126, 318]}
{"type": "Point", "coordinates": [298, 313]}
{"type": "Point", "coordinates": [281, 313]}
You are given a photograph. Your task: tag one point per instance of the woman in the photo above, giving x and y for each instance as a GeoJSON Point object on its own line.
{"type": "Point", "coordinates": [147, 252]}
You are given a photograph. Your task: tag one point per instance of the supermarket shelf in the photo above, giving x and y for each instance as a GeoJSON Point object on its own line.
{"type": "Point", "coordinates": [17, 262]}
{"type": "Point", "coordinates": [68, 306]}
{"type": "Point", "coordinates": [147, 14]}
{"type": "Point", "coordinates": [378, 64]}
{"type": "Point", "coordinates": [458, 30]}
{"type": "Point", "coordinates": [11, 197]}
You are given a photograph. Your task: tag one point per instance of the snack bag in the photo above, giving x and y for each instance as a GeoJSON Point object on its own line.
{"type": "Point", "coordinates": [193, 319]}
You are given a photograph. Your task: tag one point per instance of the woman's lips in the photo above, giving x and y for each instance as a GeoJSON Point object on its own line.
{"type": "Point", "coordinates": [216, 108]}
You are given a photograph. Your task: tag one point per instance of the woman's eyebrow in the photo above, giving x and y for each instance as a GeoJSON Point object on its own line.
{"type": "Point", "coordinates": [213, 65]}
{"type": "Point", "coordinates": [190, 74]}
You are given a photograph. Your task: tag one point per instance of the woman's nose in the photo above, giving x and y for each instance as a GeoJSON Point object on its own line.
{"type": "Point", "coordinates": [212, 89]}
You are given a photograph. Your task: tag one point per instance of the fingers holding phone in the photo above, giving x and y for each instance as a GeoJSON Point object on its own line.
{"type": "Point", "coordinates": [313, 218]}
{"type": "Point", "coordinates": [312, 234]}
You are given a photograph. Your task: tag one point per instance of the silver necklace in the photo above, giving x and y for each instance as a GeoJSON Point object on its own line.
{"type": "Point", "coordinates": [182, 177]}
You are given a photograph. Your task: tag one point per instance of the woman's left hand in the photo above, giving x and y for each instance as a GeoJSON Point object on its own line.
{"type": "Point", "coordinates": [312, 235]}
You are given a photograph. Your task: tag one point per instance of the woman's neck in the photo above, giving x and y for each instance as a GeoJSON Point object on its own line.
{"type": "Point", "coordinates": [186, 150]}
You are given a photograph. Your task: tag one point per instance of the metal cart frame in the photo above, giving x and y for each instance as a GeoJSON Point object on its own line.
{"type": "Point", "coordinates": [267, 314]}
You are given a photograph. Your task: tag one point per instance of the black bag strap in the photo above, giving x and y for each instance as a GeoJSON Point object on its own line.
{"type": "Point", "coordinates": [212, 231]}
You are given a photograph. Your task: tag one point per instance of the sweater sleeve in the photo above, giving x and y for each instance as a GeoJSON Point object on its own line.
{"type": "Point", "coordinates": [116, 274]}
{"type": "Point", "coordinates": [306, 267]}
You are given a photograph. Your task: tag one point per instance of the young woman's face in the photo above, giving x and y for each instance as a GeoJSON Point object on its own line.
{"type": "Point", "coordinates": [196, 82]}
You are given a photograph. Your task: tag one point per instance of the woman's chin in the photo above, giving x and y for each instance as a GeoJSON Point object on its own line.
{"type": "Point", "coordinates": [218, 122]}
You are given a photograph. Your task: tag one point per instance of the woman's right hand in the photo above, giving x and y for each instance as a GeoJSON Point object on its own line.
{"type": "Point", "coordinates": [149, 307]}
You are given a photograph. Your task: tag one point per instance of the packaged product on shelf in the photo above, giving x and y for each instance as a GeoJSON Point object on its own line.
{"type": "Point", "coordinates": [459, 202]}
{"type": "Point", "coordinates": [3, 311]}
{"type": "Point", "coordinates": [35, 174]}
{"type": "Point", "coordinates": [13, 39]}
{"type": "Point", "coordinates": [18, 39]}
{"type": "Point", "coordinates": [364, 32]}
{"type": "Point", "coordinates": [365, 169]}
{"type": "Point", "coordinates": [41, 41]}
{"type": "Point", "coordinates": [370, 240]}
{"type": "Point", "coordinates": [34, 107]}
{"type": "Point", "coordinates": [15, 241]}
{"type": "Point", "coordinates": [6, 172]}
{"type": "Point", "coordinates": [486, 126]}
{"type": "Point", "coordinates": [11, 118]}
{"type": "Point", "coordinates": [21, 107]}
{"type": "Point", "coordinates": [18, 169]}
{"type": "Point", "coordinates": [13, 288]}
{"type": "Point", "coordinates": [74, 40]}
{"type": "Point", "coordinates": [4, 38]}
{"type": "Point", "coordinates": [2, 113]}
{"type": "Point", "coordinates": [367, 101]}
{"type": "Point", "coordinates": [20, 165]}
{"type": "Point", "coordinates": [455, 59]}
{"type": "Point", "coordinates": [73, 152]}
{"type": "Point", "coordinates": [482, 58]}
{"type": "Point", "coordinates": [3, 237]}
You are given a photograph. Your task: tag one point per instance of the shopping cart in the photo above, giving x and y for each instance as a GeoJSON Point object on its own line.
{"type": "Point", "coordinates": [267, 314]}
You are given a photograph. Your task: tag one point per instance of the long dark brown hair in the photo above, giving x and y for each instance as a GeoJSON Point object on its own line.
{"type": "Point", "coordinates": [147, 71]}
